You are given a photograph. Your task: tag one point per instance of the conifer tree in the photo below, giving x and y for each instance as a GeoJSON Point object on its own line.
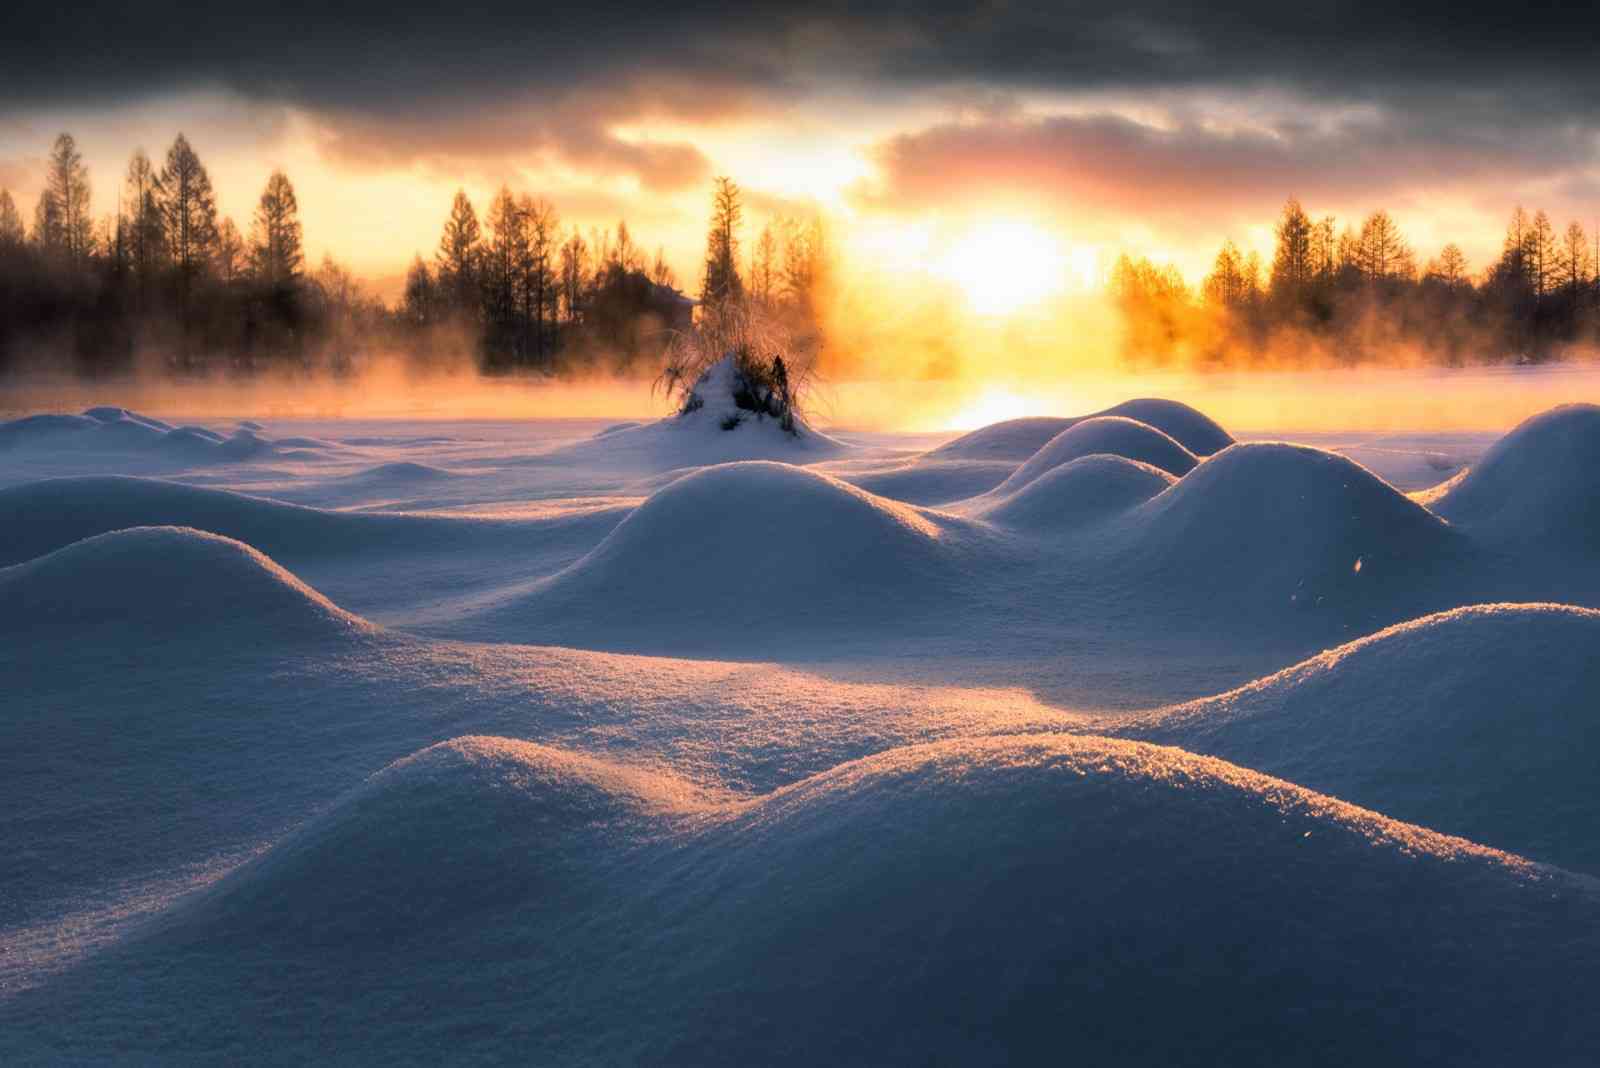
{"type": "Point", "coordinates": [11, 231]}
{"type": "Point", "coordinates": [722, 282]}
{"type": "Point", "coordinates": [189, 209]}
{"type": "Point", "coordinates": [275, 240]}
{"type": "Point", "coordinates": [458, 257]}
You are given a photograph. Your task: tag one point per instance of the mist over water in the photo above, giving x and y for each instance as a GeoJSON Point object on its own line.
{"type": "Point", "coordinates": [1364, 399]}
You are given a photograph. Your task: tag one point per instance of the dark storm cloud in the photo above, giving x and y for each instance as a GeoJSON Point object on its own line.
{"type": "Point", "coordinates": [385, 56]}
{"type": "Point", "coordinates": [465, 78]}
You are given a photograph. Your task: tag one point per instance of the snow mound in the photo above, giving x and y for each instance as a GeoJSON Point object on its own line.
{"type": "Point", "coordinates": [1018, 439]}
{"type": "Point", "coordinates": [459, 827]}
{"type": "Point", "coordinates": [1111, 435]}
{"type": "Point", "coordinates": [41, 516]}
{"type": "Point", "coordinates": [1480, 722]}
{"type": "Point", "coordinates": [1077, 493]}
{"type": "Point", "coordinates": [615, 427]}
{"type": "Point", "coordinates": [961, 902]}
{"type": "Point", "coordinates": [50, 513]}
{"type": "Point", "coordinates": [403, 471]}
{"type": "Point", "coordinates": [37, 429]}
{"type": "Point", "coordinates": [185, 436]}
{"type": "Point", "coordinates": [1013, 439]}
{"type": "Point", "coordinates": [753, 544]}
{"type": "Point", "coordinates": [1274, 525]}
{"type": "Point", "coordinates": [165, 579]}
{"type": "Point", "coordinates": [1539, 483]}
{"type": "Point", "coordinates": [119, 415]}
{"type": "Point", "coordinates": [129, 434]}
{"type": "Point", "coordinates": [1190, 427]}
{"type": "Point", "coordinates": [112, 429]}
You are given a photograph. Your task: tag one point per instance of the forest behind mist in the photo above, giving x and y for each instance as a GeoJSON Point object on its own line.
{"type": "Point", "coordinates": [167, 284]}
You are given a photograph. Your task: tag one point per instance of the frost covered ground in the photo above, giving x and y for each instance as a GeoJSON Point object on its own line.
{"type": "Point", "coordinates": [1102, 738]}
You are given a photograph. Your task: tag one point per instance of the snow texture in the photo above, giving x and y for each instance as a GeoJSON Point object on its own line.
{"type": "Point", "coordinates": [1045, 743]}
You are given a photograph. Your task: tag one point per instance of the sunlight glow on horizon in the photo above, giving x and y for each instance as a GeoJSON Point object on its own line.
{"type": "Point", "coordinates": [994, 405]}
{"type": "Point", "coordinates": [1003, 266]}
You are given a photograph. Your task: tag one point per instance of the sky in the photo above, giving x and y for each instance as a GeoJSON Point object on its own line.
{"type": "Point", "coordinates": [931, 135]}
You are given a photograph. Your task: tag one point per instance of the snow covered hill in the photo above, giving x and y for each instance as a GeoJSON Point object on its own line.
{"type": "Point", "coordinates": [974, 900]}
{"type": "Point", "coordinates": [832, 748]}
{"type": "Point", "coordinates": [1538, 485]}
{"type": "Point", "coordinates": [1482, 722]}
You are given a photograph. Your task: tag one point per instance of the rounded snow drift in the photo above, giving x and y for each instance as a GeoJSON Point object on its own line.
{"type": "Point", "coordinates": [109, 414]}
{"type": "Point", "coordinates": [36, 429]}
{"type": "Point", "coordinates": [1539, 483]}
{"type": "Point", "coordinates": [967, 901]}
{"type": "Point", "coordinates": [1111, 435]}
{"type": "Point", "coordinates": [752, 549]}
{"type": "Point", "coordinates": [1276, 525]}
{"type": "Point", "coordinates": [404, 471]}
{"type": "Point", "coordinates": [1188, 426]}
{"type": "Point", "coordinates": [52, 513]}
{"type": "Point", "coordinates": [459, 827]}
{"type": "Point", "coordinates": [1078, 493]}
{"type": "Point", "coordinates": [759, 529]}
{"type": "Point", "coordinates": [1479, 721]}
{"type": "Point", "coordinates": [987, 896]}
{"type": "Point", "coordinates": [166, 580]}
{"type": "Point", "coordinates": [1018, 439]}
{"type": "Point", "coordinates": [128, 434]}
{"type": "Point", "coordinates": [1012, 439]}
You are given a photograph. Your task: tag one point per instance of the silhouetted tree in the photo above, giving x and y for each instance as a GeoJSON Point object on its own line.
{"type": "Point", "coordinates": [1293, 266]}
{"type": "Point", "coordinates": [420, 302]}
{"type": "Point", "coordinates": [1448, 268]}
{"type": "Point", "coordinates": [1380, 253]}
{"type": "Point", "coordinates": [64, 224]}
{"type": "Point", "coordinates": [574, 277]}
{"type": "Point", "coordinates": [189, 208]}
{"type": "Point", "coordinates": [722, 281]}
{"type": "Point", "coordinates": [458, 258]}
{"type": "Point", "coordinates": [1540, 254]}
{"type": "Point", "coordinates": [1225, 285]}
{"type": "Point", "coordinates": [538, 288]}
{"type": "Point", "coordinates": [275, 241]}
{"type": "Point", "coordinates": [622, 252]}
{"type": "Point", "coordinates": [1324, 252]}
{"type": "Point", "coordinates": [501, 261]}
{"type": "Point", "coordinates": [11, 232]}
{"type": "Point", "coordinates": [145, 230]}
{"type": "Point", "coordinates": [231, 256]}
{"type": "Point", "coordinates": [1575, 265]}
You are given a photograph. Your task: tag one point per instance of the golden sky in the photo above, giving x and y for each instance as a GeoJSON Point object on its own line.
{"type": "Point", "coordinates": [941, 142]}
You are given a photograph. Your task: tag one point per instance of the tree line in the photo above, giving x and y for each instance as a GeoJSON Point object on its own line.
{"type": "Point", "coordinates": [164, 272]}
{"type": "Point", "coordinates": [533, 296]}
{"type": "Point", "coordinates": [167, 274]}
{"type": "Point", "coordinates": [1352, 295]}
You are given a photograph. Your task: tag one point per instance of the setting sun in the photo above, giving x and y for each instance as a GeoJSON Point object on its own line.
{"type": "Point", "coordinates": [1004, 266]}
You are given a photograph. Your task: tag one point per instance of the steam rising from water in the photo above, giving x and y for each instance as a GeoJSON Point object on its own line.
{"type": "Point", "coordinates": [908, 364]}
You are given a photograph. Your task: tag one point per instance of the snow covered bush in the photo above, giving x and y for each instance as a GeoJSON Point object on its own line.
{"type": "Point", "coordinates": [767, 367]}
